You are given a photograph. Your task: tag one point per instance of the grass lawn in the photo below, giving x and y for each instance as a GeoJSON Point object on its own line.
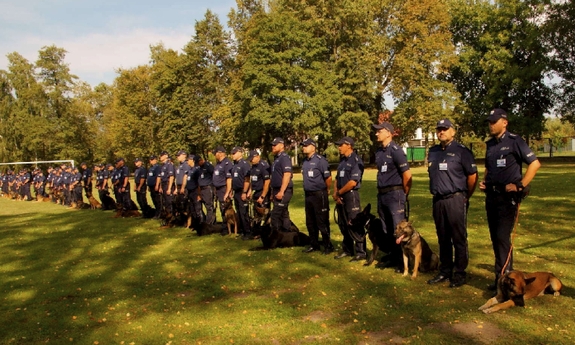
{"type": "Point", "coordinates": [83, 277]}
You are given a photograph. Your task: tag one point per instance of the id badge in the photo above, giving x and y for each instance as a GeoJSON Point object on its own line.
{"type": "Point", "coordinates": [310, 173]}
{"type": "Point", "coordinates": [442, 166]}
{"type": "Point", "coordinates": [151, 174]}
{"type": "Point", "coordinates": [501, 163]}
{"type": "Point", "coordinates": [255, 178]}
{"type": "Point", "coordinates": [384, 168]}
{"type": "Point", "coordinates": [342, 173]}
{"type": "Point", "coordinates": [235, 174]}
{"type": "Point", "coordinates": [217, 173]}
{"type": "Point", "coordinates": [202, 176]}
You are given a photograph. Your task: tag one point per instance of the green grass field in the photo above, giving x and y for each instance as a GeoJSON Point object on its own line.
{"type": "Point", "coordinates": [83, 277]}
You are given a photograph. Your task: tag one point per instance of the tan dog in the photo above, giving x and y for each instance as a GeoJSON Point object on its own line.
{"type": "Point", "coordinates": [231, 216]}
{"type": "Point", "coordinates": [515, 287]}
{"type": "Point", "coordinates": [414, 247]}
{"type": "Point", "coordinates": [94, 204]}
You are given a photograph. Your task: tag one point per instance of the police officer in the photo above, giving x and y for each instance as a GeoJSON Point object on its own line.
{"type": "Point", "coordinates": [452, 180]}
{"type": "Point", "coordinates": [86, 179]}
{"type": "Point", "coordinates": [260, 181]}
{"type": "Point", "coordinates": [206, 171]}
{"type": "Point", "coordinates": [503, 185]}
{"type": "Point", "coordinates": [282, 186]}
{"type": "Point", "coordinates": [316, 186]}
{"type": "Point", "coordinates": [165, 182]}
{"type": "Point", "coordinates": [181, 178]}
{"type": "Point", "coordinates": [123, 173]}
{"type": "Point", "coordinates": [107, 177]}
{"type": "Point", "coordinates": [241, 185]}
{"type": "Point", "coordinates": [140, 179]}
{"type": "Point", "coordinates": [193, 193]}
{"type": "Point", "coordinates": [76, 187]}
{"type": "Point", "coordinates": [222, 178]}
{"type": "Point", "coordinates": [40, 185]}
{"type": "Point", "coordinates": [26, 182]}
{"type": "Point", "coordinates": [153, 173]}
{"type": "Point", "coordinates": [66, 180]}
{"type": "Point", "coordinates": [393, 185]}
{"type": "Point", "coordinates": [346, 196]}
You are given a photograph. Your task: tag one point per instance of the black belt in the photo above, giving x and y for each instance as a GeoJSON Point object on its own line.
{"type": "Point", "coordinates": [446, 196]}
{"type": "Point", "coordinates": [497, 188]}
{"type": "Point", "coordinates": [205, 187]}
{"type": "Point", "coordinates": [389, 189]}
{"type": "Point", "coordinates": [315, 192]}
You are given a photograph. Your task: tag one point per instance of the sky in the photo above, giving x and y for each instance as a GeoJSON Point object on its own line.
{"type": "Point", "coordinates": [101, 36]}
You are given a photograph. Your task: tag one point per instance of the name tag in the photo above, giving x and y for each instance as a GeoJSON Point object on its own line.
{"type": "Point", "coordinates": [342, 173]}
{"type": "Point", "coordinates": [310, 173]}
{"type": "Point", "coordinates": [501, 163]}
{"type": "Point", "coordinates": [162, 173]}
{"type": "Point", "coordinates": [189, 178]}
{"type": "Point", "coordinates": [151, 174]}
{"type": "Point", "coordinates": [235, 174]}
{"type": "Point", "coordinates": [255, 178]}
{"type": "Point", "coordinates": [442, 166]}
{"type": "Point", "coordinates": [384, 168]}
{"type": "Point", "coordinates": [202, 176]}
{"type": "Point", "coordinates": [217, 173]}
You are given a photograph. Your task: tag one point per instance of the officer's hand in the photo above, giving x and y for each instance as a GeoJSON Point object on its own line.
{"type": "Point", "coordinates": [482, 186]}
{"type": "Point", "coordinates": [169, 192]}
{"type": "Point", "coordinates": [182, 191]}
{"type": "Point", "coordinates": [511, 187]}
{"type": "Point", "coordinates": [244, 197]}
{"type": "Point", "coordinates": [279, 196]}
{"type": "Point", "coordinates": [260, 199]}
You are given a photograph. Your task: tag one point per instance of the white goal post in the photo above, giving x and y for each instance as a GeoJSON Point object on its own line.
{"type": "Point", "coordinates": [40, 162]}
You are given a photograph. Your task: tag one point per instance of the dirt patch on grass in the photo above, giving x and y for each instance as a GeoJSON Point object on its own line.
{"type": "Point", "coordinates": [388, 337]}
{"type": "Point", "coordinates": [317, 316]}
{"type": "Point", "coordinates": [481, 333]}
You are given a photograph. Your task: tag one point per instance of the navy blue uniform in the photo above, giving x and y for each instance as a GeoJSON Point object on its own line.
{"type": "Point", "coordinates": [153, 174]}
{"type": "Point", "coordinates": [448, 170]}
{"type": "Point", "coordinates": [240, 178]}
{"type": "Point", "coordinates": [87, 181]}
{"type": "Point", "coordinates": [259, 174]}
{"type": "Point", "coordinates": [124, 188]}
{"type": "Point", "coordinates": [205, 182]}
{"type": "Point", "coordinates": [192, 187]}
{"type": "Point", "coordinates": [222, 172]}
{"type": "Point", "coordinates": [141, 174]}
{"type": "Point", "coordinates": [280, 213]}
{"type": "Point", "coordinates": [350, 168]}
{"type": "Point", "coordinates": [167, 170]}
{"type": "Point", "coordinates": [66, 178]}
{"type": "Point", "coordinates": [77, 189]}
{"type": "Point", "coordinates": [503, 161]}
{"type": "Point", "coordinates": [391, 164]}
{"type": "Point", "coordinates": [315, 171]}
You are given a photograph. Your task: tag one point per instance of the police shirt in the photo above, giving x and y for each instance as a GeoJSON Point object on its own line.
{"type": "Point", "coordinates": [222, 172]}
{"type": "Point", "coordinates": [139, 175]}
{"type": "Point", "coordinates": [50, 177]}
{"type": "Point", "coordinates": [78, 178]}
{"type": "Point", "coordinates": [281, 165]}
{"type": "Point", "coordinates": [258, 174]}
{"type": "Point", "coordinates": [206, 173]}
{"type": "Point", "coordinates": [167, 171]}
{"type": "Point", "coordinates": [86, 174]}
{"type": "Point", "coordinates": [153, 174]}
{"type": "Point", "coordinates": [240, 171]}
{"type": "Point", "coordinates": [504, 157]}
{"type": "Point", "coordinates": [315, 171]}
{"type": "Point", "coordinates": [391, 164]}
{"type": "Point", "coordinates": [57, 181]}
{"type": "Point", "coordinates": [350, 169]}
{"type": "Point", "coordinates": [115, 176]}
{"type": "Point", "coordinates": [99, 179]}
{"type": "Point", "coordinates": [123, 173]}
{"type": "Point", "coordinates": [182, 173]}
{"type": "Point", "coordinates": [106, 175]}
{"type": "Point", "coordinates": [449, 168]}
{"type": "Point", "coordinates": [193, 177]}
{"type": "Point", "coordinates": [66, 177]}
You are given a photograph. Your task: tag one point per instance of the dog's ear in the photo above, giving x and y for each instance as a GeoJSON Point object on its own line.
{"type": "Point", "coordinates": [367, 209]}
{"type": "Point", "coordinates": [529, 280]}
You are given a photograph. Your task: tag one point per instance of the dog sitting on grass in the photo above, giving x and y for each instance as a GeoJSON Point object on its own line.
{"type": "Point", "coordinates": [416, 249]}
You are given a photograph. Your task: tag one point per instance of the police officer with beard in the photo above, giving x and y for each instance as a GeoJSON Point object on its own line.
{"type": "Point", "coordinates": [316, 186]}
{"type": "Point", "coordinates": [346, 196]}
{"type": "Point", "coordinates": [504, 185]}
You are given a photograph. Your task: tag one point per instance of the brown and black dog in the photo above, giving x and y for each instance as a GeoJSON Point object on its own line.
{"type": "Point", "coordinates": [231, 216]}
{"type": "Point", "coordinates": [514, 287]}
{"type": "Point", "coordinates": [414, 247]}
{"type": "Point", "coordinates": [94, 204]}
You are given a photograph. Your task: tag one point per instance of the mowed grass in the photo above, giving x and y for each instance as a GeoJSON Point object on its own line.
{"type": "Point", "coordinates": [83, 277]}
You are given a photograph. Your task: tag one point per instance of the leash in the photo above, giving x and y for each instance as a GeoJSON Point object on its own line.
{"type": "Point", "coordinates": [513, 234]}
{"type": "Point", "coordinates": [406, 208]}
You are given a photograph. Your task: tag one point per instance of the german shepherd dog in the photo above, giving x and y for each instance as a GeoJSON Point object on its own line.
{"type": "Point", "coordinates": [231, 217]}
{"type": "Point", "coordinates": [374, 227]}
{"type": "Point", "coordinates": [94, 204]}
{"type": "Point", "coordinates": [514, 287]}
{"type": "Point", "coordinates": [208, 229]}
{"type": "Point", "coordinates": [273, 238]}
{"type": "Point", "coordinates": [414, 247]}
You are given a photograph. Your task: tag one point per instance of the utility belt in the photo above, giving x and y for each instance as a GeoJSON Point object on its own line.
{"type": "Point", "coordinates": [445, 196]}
{"type": "Point", "coordinates": [495, 188]}
{"type": "Point", "coordinates": [316, 192]}
{"type": "Point", "coordinates": [389, 189]}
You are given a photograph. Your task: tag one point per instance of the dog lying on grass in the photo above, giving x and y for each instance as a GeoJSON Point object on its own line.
{"type": "Point", "coordinates": [414, 247]}
{"type": "Point", "coordinates": [514, 287]}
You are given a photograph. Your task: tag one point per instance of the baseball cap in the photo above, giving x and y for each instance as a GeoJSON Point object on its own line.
{"type": "Point", "coordinates": [121, 159]}
{"type": "Point", "coordinates": [164, 153]}
{"type": "Point", "coordinates": [445, 123]}
{"type": "Point", "coordinates": [181, 152]}
{"type": "Point", "coordinates": [252, 154]}
{"type": "Point", "coordinates": [497, 114]}
{"type": "Point", "coordinates": [345, 140]}
{"type": "Point", "coordinates": [237, 149]}
{"type": "Point", "coordinates": [191, 157]}
{"type": "Point", "coordinates": [220, 149]}
{"type": "Point", "coordinates": [308, 142]}
{"type": "Point", "coordinates": [137, 160]}
{"type": "Point", "coordinates": [385, 125]}
{"type": "Point", "coordinates": [278, 140]}
{"type": "Point", "coordinates": [152, 157]}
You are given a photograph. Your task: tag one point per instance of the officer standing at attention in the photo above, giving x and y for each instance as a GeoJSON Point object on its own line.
{"type": "Point", "coordinates": [124, 184]}
{"type": "Point", "coordinates": [39, 186]}
{"type": "Point", "coordinates": [194, 206]}
{"type": "Point", "coordinates": [222, 178]}
{"type": "Point", "coordinates": [260, 177]}
{"type": "Point", "coordinates": [66, 177]}
{"type": "Point", "coordinates": [140, 179]}
{"type": "Point", "coordinates": [182, 172]}
{"type": "Point", "coordinates": [282, 186]}
{"type": "Point", "coordinates": [165, 182]}
{"type": "Point", "coordinates": [316, 186]}
{"type": "Point", "coordinates": [393, 185]}
{"type": "Point", "coordinates": [346, 196]}
{"type": "Point", "coordinates": [206, 171]}
{"type": "Point", "coordinates": [76, 188]}
{"type": "Point", "coordinates": [86, 179]}
{"type": "Point", "coordinates": [452, 181]}
{"type": "Point", "coordinates": [240, 186]}
{"type": "Point", "coordinates": [153, 173]}
{"type": "Point", "coordinates": [504, 185]}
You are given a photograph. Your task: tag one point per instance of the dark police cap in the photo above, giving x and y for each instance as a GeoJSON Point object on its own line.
{"type": "Point", "coordinates": [278, 140]}
{"type": "Point", "coordinates": [164, 153]}
{"type": "Point", "coordinates": [444, 123]}
{"type": "Point", "coordinates": [219, 149]}
{"type": "Point", "coordinates": [181, 152]}
{"type": "Point", "coordinates": [497, 114]}
{"type": "Point", "coordinates": [237, 149]}
{"type": "Point", "coordinates": [345, 140]}
{"type": "Point", "coordinates": [385, 125]}
{"type": "Point", "coordinates": [108, 166]}
{"type": "Point", "coordinates": [191, 157]}
{"type": "Point", "coordinates": [253, 153]}
{"type": "Point", "coordinates": [83, 163]}
{"type": "Point", "coordinates": [152, 157]}
{"type": "Point", "coordinates": [308, 142]}
{"type": "Point", "coordinates": [137, 160]}
{"type": "Point", "coordinates": [121, 159]}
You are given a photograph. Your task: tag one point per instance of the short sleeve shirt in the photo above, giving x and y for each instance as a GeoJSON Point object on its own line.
{"type": "Point", "coordinates": [391, 164]}
{"type": "Point", "coordinates": [504, 158]}
{"type": "Point", "coordinates": [449, 168]}
{"type": "Point", "coordinates": [282, 164]}
{"type": "Point", "coordinates": [315, 171]}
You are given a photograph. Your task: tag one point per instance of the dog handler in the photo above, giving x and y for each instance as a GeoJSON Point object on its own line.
{"type": "Point", "coordinates": [503, 185]}
{"type": "Point", "coordinates": [282, 186]}
{"type": "Point", "coordinates": [241, 185]}
{"type": "Point", "coordinates": [452, 181]}
{"type": "Point", "coordinates": [260, 181]}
